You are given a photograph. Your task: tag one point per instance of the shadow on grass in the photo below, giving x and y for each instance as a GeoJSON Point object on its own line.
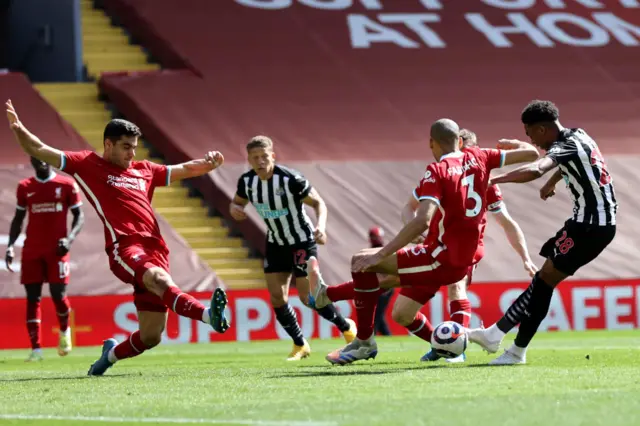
{"type": "Point", "coordinates": [48, 379]}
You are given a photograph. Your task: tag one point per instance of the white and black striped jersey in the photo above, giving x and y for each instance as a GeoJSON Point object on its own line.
{"type": "Point", "coordinates": [588, 180]}
{"type": "Point", "coordinates": [279, 202]}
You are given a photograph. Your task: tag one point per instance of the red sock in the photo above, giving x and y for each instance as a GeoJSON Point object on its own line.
{"type": "Point", "coordinates": [63, 308]}
{"type": "Point", "coordinates": [131, 347]}
{"type": "Point", "coordinates": [33, 323]}
{"type": "Point", "coordinates": [367, 290]}
{"type": "Point", "coordinates": [421, 327]}
{"type": "Point", "coordinates": [344, 291]}
{"type": "Point", "coordinates": [183, 304]}
{"type": "Point", "coordinates": [460, 311]}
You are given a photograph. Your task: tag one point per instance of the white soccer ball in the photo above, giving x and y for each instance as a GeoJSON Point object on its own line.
{"type": "Point", "coordinates": [449, 339]}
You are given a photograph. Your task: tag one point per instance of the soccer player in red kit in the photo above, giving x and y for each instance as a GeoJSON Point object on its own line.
{"type": "Point", "coordinates": [406, 310]}
{"type": "Point", "coordinates": [456, 185]}
{"type": "Point", "coordinates": [46, 198]}
{"type": "Point", "coordinates": [120, 190]}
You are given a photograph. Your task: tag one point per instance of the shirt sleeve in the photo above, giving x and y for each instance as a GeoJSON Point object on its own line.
{"type": "Point", "coordinates": [495, 202]}
{"type": "Point", "coordinates": [161, 174]}
{"type": "Point", "coordinates": [71, 161]}
{"type": "Point", "coordinates": [74, 199]}
{"type": "Point", "coordinates": [242, 189]}
{"type": "Point", "coordinates": [21, 196]}
{"type": "Point", "coordinates": [563, 152]}
{"type": "Point", "coordinates": [430, 187]}
{"type": "Point", "coordinates": [495, 158]}
{"type": "Point", "coordinates": [299, 186]}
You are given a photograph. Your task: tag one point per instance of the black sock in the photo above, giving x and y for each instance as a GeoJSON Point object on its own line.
{"type": "Point", "coordinates": [518, 309]}
{"type": "Point", "coordinates": [288, 320]}
{"type": "Point", "coordinates": [331, 314]}
{"type": "Point", "coordinates": [538, 309]}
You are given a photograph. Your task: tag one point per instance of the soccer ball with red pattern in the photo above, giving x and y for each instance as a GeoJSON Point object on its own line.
{"type": "Point", "coordinates": [449, 339]}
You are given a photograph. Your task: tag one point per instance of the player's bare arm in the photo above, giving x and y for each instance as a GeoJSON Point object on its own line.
{"type": "Point", "coordinates": [14, 233]}
{"type": "Point", "coordinates": [29, 142]}
{"type": "Point", "coordinates": [408, 213]}
{"type": "Point", "coordinates": [64, 245]}
{"type": "Point", "coordinates": [415, 227]}
{"type": "Point", "coordinates": [526, 173]}
{"type": "Point", "coordinates": [516, 151]}
{"type": "Point", "coordinates": [315, 200]}
{"type": "Point", "coordinates": [236, 208]}
{"type": "Point", "coordinates": [211, 161]}
{"type": "Point", "coordinates": [549, 188]}
{"type": "Point", "coordinates": [516, 239]}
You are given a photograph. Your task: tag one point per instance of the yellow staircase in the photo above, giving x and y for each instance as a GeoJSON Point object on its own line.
{"type": "Point", "coordinates": [107, 49]}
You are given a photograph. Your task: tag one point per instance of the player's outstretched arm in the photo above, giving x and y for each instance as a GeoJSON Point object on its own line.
{"type": "Point", "coordinates": [415, 227]}
{"type": "Point", "coordinates": [516, 238]}
{"type": "Point", "coordinates": [314, 200]}
{"type": "Point", "coordinates": [516, 152]}
{"type": "Point", "coordinates": [526, 173]}
{"type": "Point", "coordinates": [408, 213]}
{"type": "Point", "coordinates": [14, 233]}
{"type": "Point", "coordinates": [30, 142]}
{"type": "Point", "coordinates": [211, 161]}
{"type": "Point", "coordinates": [549, 188]}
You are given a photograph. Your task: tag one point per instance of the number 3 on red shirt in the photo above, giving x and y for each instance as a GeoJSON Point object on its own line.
{"type": "Point", "coordinates": [471, 194]}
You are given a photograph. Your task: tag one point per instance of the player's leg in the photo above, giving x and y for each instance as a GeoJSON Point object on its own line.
{"type": "Point", "coordinates": [278, 287]}
{"type": "Point", "coordinates": [158, 281]}
{"type": "Point", "coordinates": [329, 312]}
{"type": "Point", "coordinates": [63, 310]}
{"type": "Point", "coordinates": [406, 312]}
{"type": "Point", "coordinates": [380, 323]}
{"type": "Point", "coordinates": [459, 305]}
{"type": "Point", "coordinates": [34, 317]}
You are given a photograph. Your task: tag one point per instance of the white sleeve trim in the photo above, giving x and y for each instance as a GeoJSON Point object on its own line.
{"type": "Point", "coordinates": [75, 206]}
{"type": "Point", "coordinates": [168, 182]}
{"type": "Point", "coordinates": [503, 155]}
{"type": "Point", "coordinates": [63, 161]}
{"type": "Point", "coordinates": [429, 197]}
{"type": "Point", "coordinates": [21, 208]}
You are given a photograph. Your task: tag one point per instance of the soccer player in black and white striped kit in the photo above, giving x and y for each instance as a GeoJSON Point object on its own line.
{"type": "Point", "coordinates": [278, 194]}
{"type": "Point", "coordinates": [582, 238]}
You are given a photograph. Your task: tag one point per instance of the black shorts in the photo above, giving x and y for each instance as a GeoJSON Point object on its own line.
{"type": "Point", "coordinates": [289, 258]}
{"type": "Point", "coordinates": [577, 244]}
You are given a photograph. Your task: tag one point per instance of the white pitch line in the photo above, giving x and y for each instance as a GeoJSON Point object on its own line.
{"type": "Point", "coordinates": [165, 420]}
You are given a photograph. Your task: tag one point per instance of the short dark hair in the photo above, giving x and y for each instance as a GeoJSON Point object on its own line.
{"type": "Point", "coordinates": [540, 111]}
{"type": "Point", "coordinates": [260, 141]}
{"type": "Point", "coordinates": [468, 138]}
{"type": "Point", "coordinates": [445, 131]}
{"type": "Point", "coordinates": [117, 128]}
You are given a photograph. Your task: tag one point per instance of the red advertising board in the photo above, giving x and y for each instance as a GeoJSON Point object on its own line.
{"type": "Point", "coordinates": [577, 305]}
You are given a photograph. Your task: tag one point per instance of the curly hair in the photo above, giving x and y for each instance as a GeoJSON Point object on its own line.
{"type": "Point", "coordinates": [539, 112]}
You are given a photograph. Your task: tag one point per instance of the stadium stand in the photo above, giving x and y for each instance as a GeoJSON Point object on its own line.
{"type": "Point", "coordinates": [293, 74]}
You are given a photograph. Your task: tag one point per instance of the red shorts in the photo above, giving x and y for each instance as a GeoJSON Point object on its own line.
{"type": "Point", "coordinates": [130, 259]}
{"type": "Point", "coordinates": [52, 269]}
{"type": "Point", "coordinates": [421, 276]}
{"type": "Point", "coordinates": [423, 294]}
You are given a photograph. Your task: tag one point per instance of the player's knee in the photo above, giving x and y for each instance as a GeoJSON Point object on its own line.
{"type": "Point", "coordinates": [402, 316]}
{"type": "Point", "coordinates": [34, 293]}
{"type": "Point", "coordinates": [157, 280]}
{"type": "Point", "coordinates": [457, 291]}
{"type": "Point", "coordinates": [58, 291]}
{"type": "Point", "coordinates": [278, 299]}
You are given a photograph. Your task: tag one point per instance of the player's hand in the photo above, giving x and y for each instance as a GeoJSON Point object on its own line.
{"type": "Point", "coordinates": [12, 116]}
{"type": "Point", "coordinates": [530, 267]}
{"type": "Point", "coordinates": [548, 190]}
{"type": "Point", "coordinates": [8, 258]}
{"type": "Point", "coordinates": [63, 246]}
{"type": "Point", "coordinates": [419, 239]}
{"type": "Point", "coordinates": [237, 212]}
{"type": "Point", "coordinates": [366, 261]}
{"type": "Point", "coordinates": [320, 236]}
{"type": "Point", "coordinates": [508, 144]}
{"type": "Point", "coordinates": [214, 159]}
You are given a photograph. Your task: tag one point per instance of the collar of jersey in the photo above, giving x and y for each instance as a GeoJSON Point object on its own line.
{"type": "Point", "coordinates": [51, 176]}
{"type": "Point", "coordinates": [454, 154]}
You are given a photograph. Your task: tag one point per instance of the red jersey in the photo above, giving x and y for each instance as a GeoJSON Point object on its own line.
{"type": "Point", "coordinates": [121, 197]}
{"type": "Point", "coordinates": [458, 183]}
{"type": "Point", "coordinates": [47, 203]}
